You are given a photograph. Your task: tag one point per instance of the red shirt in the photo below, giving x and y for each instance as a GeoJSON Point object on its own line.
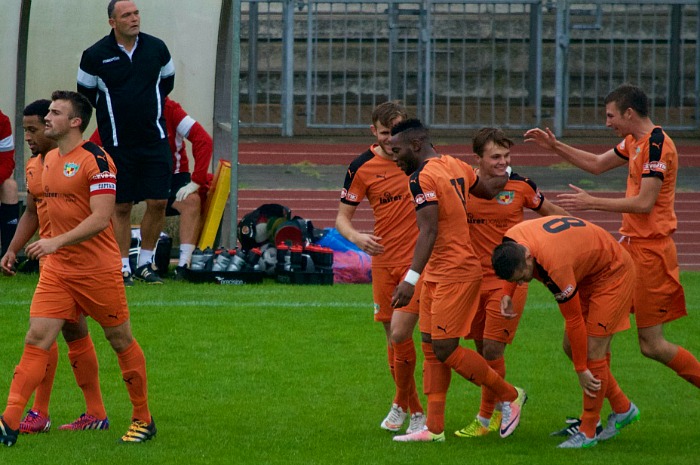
{"type": "Point", "coordinates": [7, 149]}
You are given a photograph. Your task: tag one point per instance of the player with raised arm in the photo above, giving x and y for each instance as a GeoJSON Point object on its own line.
{"type": "Point", "coordinates": [648, 220]}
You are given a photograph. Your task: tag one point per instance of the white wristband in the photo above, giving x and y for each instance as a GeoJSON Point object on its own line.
{"type": "Point", "coordinates": [412, 277]}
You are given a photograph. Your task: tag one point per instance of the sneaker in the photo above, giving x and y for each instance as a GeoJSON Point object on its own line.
{"type": "Point", "coordinates": [475, 429]}
{"type": "Point", "coordinates": [34, 422]}
{"type": "Point", "coordinates": [578, 441]}
{"type": "Point", "coordinates": [416, 423]}
{"type": "Point", "coordinates": [128, 279]}
{"type": "Point", "coordinates": [394, 420]}
{"type": "Point", "coordinates": [572, 426]}
{"type": "Point", "coordinates": [84, 422]}
{"type": "Point", "coordinates": [511, 413]}
{"type": "Point", "coordinates": [147, 274]}
{"type": "Point", "coordinates": [140, 431]}
{"type": "Point", "coordinates": [8, 436]}
{"type": "Point", "coordinates": [423, 435]}
{"type": "Point", "coordinates": [617, 421]}
{"type": "Point", "coordinates": [179, 274]}
{"type": "Point", "coordinates": [495, 422]}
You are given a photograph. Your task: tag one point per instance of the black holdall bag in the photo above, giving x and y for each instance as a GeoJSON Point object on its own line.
{"type": "Point", "coordinates": [256, 227]}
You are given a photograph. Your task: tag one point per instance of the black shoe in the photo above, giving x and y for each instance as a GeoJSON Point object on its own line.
{"type": "Point", "coordinates": [8, 436]}
{"type": "Point", "coordinates": [180, 273]}
{"type": "Point", "coordinates": [572, 427]}
{"type": "Point", "coordinates": [147, 274]}
{"type": "Point", "coordinates": [139, 431]}
{"type": "Point", "coordinates": [128, 280]}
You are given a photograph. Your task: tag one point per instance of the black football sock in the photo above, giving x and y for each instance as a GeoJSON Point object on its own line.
{"type": "Point", "coordinates": [9, 217]}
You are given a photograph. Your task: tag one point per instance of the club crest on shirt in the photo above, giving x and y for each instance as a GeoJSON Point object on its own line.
{"type": "Point", "coordinates": [505, 197]}
{"type": "Point", "coordinates": [70, 169]}
{"type": "Point", "coordinates": [376, 308]}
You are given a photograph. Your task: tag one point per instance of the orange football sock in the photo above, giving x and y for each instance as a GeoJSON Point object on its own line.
{"type": "Point", "coordinates": [472, 367]}
{"type": "Point", "coordinates": [83, 360]}
{"type": "Point", "coordinates": [404, 370]}
{"type": "Point", "coordinates": [28, 374]}
{"type": "Point", "coordinates": [436, 381]}
{"type": "Point", "coordinates": [619, 402]}
{"type": "Point", "coordinates": [593, 405]}
{"type": "Point", "coordinates": [488, 397]}
{"type": "Point", "coordinates": [43, 390]}
{"type": "Point", "coordinates": [133, 365]}
{"type": "Point", "coordinates": [686, 366]}
{"type": "Point", "coordinates": [392, 368]}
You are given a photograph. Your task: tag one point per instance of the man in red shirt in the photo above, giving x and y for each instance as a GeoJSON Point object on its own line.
{"type": "Point", "coordinates": [9, 197]}
{"type": "Point", "coordinates": [182, 126]}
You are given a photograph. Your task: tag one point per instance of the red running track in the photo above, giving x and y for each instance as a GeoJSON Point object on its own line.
{"type": "Point", "coordinates": [344, 153]}
{"type": "Point", "coordinates": [321, 207]}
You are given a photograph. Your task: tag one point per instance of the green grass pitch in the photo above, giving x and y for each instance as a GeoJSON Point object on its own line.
{"type": "Point", "coordinates": [275, 374]}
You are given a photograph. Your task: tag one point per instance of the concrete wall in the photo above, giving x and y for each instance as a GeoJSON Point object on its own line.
{"type": "Point", "coordinates": [60, 30]}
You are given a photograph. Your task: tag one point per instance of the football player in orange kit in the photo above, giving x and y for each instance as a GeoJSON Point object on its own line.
{"type": "Point", "coordinates": [440, 185]}
{"type": "Point", "coordinates": [592, 278]}
{"type": "Point", "coordinates": [374, 175]}
{"type": "Point", "coordinates": [81, 270]}
{"type": "Point", "coordinates": [648, 219]}
{"type": "Point", "coordinates": [81, 350]}
{"type": "Point", "coordinates": [489, 219]}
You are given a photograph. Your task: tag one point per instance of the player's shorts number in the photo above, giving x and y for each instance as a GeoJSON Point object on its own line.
{"type": "Point", "coordinates": [562, 224]}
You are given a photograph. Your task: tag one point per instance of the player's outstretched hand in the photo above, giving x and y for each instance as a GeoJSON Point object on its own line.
{"type": "Point", "coordinates": [545, 139]}
{"type": "Point", "coordinates": [577, 200]}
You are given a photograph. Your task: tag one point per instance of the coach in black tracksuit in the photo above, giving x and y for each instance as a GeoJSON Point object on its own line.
{"type": "Point", "coordinates": [127, 75]}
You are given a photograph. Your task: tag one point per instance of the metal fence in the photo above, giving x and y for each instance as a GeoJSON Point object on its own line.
{"type": "Point", "coordinates": [308, 65]}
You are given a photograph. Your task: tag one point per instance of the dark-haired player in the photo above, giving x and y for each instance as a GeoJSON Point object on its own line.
{"type": "Point", "coordinates": [443, 255]}
{"type": "Point", "coordinates": [592, 278]}
{"type": "Point", "coordinates": [81, 350]}
{"type": "Point", "coordinates": [648, 219]}
{"type": "Point", "coordinates": [81, 270]}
